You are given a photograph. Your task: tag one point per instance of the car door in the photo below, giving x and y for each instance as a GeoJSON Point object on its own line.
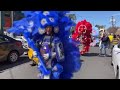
{"type": "Point", "coordinates": [4, 48]}
{"type": "Point", "coordinates": [116, 59]}
{"type": "Point", "coordinates": [116, 54]}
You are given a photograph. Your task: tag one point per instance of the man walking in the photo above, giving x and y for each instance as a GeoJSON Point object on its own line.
{"type": "Point", "coordinates": [104, 44]}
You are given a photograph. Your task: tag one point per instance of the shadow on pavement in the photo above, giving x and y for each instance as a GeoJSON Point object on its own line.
{"type": "Point", "coordinates": [109, 55]}
{"type": "Point", "coordinates": [95, 46]}
{"type": "Point", "coordinates": [104, 56]}
{"type": "Point", "coordinates": [6, 65]}
{"type": "Point", "coordinates": [91, 54]}
{"type": "Point", "coordinates": [82, 60]}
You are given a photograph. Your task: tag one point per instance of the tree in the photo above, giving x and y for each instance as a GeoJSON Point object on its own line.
{"type": "Point", "coordinates": [118, 32]}
{"type": "Point", "coordinates": [72, 16]}
{"type": "Point", "coordinates": [100, 26]}
{"type": "Point", "coordinates": [72, 29]}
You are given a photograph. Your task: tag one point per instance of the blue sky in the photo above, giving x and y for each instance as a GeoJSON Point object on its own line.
{"type": "Point", "coordinates": [98, 17]}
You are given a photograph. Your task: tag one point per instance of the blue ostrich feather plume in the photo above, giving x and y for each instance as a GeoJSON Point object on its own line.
{"type": "Point", "coordinates": [37, 21]}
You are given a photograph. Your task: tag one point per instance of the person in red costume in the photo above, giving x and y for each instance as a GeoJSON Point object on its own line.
{"type": "Point", "coordinates": [82, 33]}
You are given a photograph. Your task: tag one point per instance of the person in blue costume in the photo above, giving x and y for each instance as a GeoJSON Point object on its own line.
{"type": "Point", "coordinates": [33, 28]}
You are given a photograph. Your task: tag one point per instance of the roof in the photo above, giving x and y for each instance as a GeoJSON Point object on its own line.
{"type": "Point", "coordinates": [118, 31]}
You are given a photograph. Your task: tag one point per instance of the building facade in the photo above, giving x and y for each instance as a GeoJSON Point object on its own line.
{"type": "Point", "coordinates": [7, 18]}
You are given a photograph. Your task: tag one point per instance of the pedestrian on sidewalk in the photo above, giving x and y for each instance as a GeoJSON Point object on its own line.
{"type": "Point", "coordinates": [104, 44]}
{"type": "Point", "coordinates": [118, 37]}
{"type": "Point", "coordinates": [110, 43]}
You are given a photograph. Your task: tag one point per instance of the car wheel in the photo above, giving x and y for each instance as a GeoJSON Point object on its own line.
{"type": "Point", "coordinates": [117, 75]}
{"type": "Point", "coordinates": [13, 56]}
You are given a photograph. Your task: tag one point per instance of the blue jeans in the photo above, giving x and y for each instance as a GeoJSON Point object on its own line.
{"type": "Point", "coordinates": [103, 48]}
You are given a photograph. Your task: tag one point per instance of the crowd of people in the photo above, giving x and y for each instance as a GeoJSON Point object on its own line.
{"type": "Point", "coordinates": [108, 41]}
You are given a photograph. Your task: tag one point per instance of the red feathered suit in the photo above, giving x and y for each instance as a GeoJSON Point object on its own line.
{"type": "Point", "coordinates": [82, 33]}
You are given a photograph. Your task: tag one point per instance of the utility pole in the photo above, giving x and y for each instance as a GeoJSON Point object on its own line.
{"type": "Point", "coordinates": [113, 21]}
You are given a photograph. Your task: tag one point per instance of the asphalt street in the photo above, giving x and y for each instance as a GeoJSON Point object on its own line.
{"type": "Point", "coordinates": [20, 70]}
{"type": "Point", "coordinates": [93, 67]}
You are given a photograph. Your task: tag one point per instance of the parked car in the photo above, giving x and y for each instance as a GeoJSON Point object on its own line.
{"type": "Point", "coordinates": [116, 60]}
{"type": "Point", "coordinates": [24, 42]}
{"type": "Point", "coordinates": [19, 38]}
{"type": "Point", "coordinates": [10, 49]}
